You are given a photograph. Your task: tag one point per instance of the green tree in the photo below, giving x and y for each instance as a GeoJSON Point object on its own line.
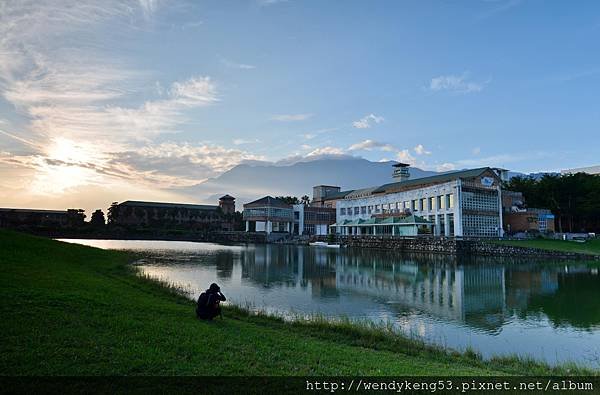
{"type": "Point", "coordinates": [289, 199]}
{"type": "Point", "coordinates": [574, 199]}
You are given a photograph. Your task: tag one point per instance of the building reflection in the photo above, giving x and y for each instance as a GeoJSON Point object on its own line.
{"type": "Point", "coordinates": [481, 293]}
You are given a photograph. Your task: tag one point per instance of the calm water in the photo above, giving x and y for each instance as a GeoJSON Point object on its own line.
{"type": "Point", "coordinates": [550, 311]}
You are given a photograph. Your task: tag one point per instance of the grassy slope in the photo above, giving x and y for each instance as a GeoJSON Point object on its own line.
{"type": "Point", "coordinates": [75, 310]}
{"type": "Point", "coordinates": [591, 247]}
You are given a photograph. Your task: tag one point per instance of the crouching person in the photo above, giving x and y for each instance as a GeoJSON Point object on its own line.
{"type": "Point", "coordinates": [209, 303]}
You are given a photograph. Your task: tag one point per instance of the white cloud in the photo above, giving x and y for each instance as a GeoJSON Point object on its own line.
{"type": "Point", "coordinates": [369, 145]}
{"type": "Point", "coordinates": [291, 117]}
{"type": "Point", "coordinates": [446, 167]}
{"type": "Point", "coordinates": [420, 150]}
{"type": "Point", "coordinates": [235, 65]}
{"type": "Point", "coordinates": [245, 141]}
{"type": "Point", "coordinates": [476, 151]}
{"type": "Point", "coordinates": [365, 122]}
{"type": "Point", "coordinates": [326, 151]}
{"type": "Point", "coordinates": [270, 2]}
{"type": "Point", "coordinates": [311, 135]}
{"type": "Point", "coordinates": [500, 160]}
{"type": "Point", "coordinates": [456, 83]}
{"type": "Point", "coordinates": [404, 156]}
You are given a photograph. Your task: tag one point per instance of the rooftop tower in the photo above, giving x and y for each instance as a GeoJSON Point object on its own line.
{"type": "Point", "coordinates": [401, 171]}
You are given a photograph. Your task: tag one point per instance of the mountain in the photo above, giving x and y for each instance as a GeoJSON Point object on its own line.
{"type": "Point", "coordinates": [251, 181]}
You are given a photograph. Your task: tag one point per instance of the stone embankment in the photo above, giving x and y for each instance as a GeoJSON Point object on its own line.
{"type": "Point", "coordinates": [453, 246]}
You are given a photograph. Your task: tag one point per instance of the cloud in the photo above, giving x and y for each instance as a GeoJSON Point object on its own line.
{"type": "Point", "coordinates": [476, 151]}
{"type": "Point", "coordinates": [315, 133]}
{"type": "Point", "coordinates": [420, 150]}
{"type": "Point", "coordinates": [499, 160]}
{"type": "Point", "coordinates": [365, 122]}
{"type": "Point", "coordinates": [369, 145]}
{"type": "Point", "coordinates": [456, 84]}
{"type": "Point", "coordinates": [271, 2]}
{"type": "Point", "coordinates": [503, 5]}
{"type": "Point", "coordinates": [244, 141]}
{"type": "Point", "coordinates": [404, 156]}
{"type": "Point", "coordinates": [291, 117]}
{"type": "Point", "coordinates": [446, 167]}
{"type": "Point", "coordinates": [326, 151]}
{"type": "Point", "coordinates": [234, 65]}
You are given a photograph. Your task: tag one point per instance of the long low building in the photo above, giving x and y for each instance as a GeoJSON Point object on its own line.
{"type": "Point", "coordinates": [462, 203]}
{"type": "Point", "coordinates": [132, 213]}
{"type": "Point", "coordinates": [24, 217]}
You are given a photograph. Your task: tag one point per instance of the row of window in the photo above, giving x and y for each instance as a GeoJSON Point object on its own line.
{"type": "Point", "coordinates": [268, 212]}
{"type": "Point", "coordinates": [432, 203]}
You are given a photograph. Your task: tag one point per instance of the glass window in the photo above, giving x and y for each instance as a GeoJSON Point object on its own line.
{"type": "Point", "coordinates": [414, 205]}
{"type": "Point", "coordinates": [422, 204]}
{"type": "Point", "coordinates": [356, 210]}
{"type": "Point", "coordinates": [343, 211]}
{"type": "Point", "coordinates": [431, 204]}
{"type": "Point", "coordinates": [440, 203]}
{"type": "Point", "coordinates": [450, 198]}
{"type": "Point", "coordinates": [363, 210]}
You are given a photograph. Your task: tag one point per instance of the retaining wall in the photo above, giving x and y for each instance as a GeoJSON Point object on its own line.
{"type": "Point", "coordinates": [452, 246]}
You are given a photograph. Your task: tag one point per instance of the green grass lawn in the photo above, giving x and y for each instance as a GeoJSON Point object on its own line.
{"type": "Point", "coordinates": [591, 247]}
{"type": "Point", "coordinates": [74, 310]}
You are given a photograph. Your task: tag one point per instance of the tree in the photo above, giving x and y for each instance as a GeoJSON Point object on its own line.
{"type": "Point", "coordinates": [289, 199]}
{"type": "Point", "coordinates": [113, 213]}
{"type": "Point", "coordinates": [574, 199]}
{"type": "Point", "coordinates": [97, 219]}
{"type": "Point", "coordinates": [305, 200]}
{"type": "Point", "coordinates": [75, 217]}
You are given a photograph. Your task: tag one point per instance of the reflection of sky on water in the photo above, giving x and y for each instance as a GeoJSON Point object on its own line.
{"type": "Point", "coordinates": [548, 311]}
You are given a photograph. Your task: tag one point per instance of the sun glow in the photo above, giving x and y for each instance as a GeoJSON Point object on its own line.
{"type": "Point", "coordinates": [66, 165]}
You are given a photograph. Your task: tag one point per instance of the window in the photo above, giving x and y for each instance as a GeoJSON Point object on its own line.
{"type": "Point", "coordinates": [440, 203]}
{"type": "Point", "coordinates": [356, 210]}
{"type": "Point", "coordinates": [431, 203]}
{"type": "Point", "coordinates": [363, 210]}
{"type": "Point", "coordinates": [343, 211]}
{"type": "Point", "coordinates": [450, 200]}
{"type": "Point", "coordinates": [422, 204]}
{"type": "Point", "coordinates": [369, 209]}
{"type": "Point", "coordinates": [414, 205]}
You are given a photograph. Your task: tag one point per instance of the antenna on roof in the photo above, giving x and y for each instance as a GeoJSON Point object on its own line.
{"type": "Point", "coordinates": [401, 171]}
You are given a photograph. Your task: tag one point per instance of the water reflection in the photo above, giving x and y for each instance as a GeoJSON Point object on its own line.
{"type": "Point", "coordinates": [549, 310]}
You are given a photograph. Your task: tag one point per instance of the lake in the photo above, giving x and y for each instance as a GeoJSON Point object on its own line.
{"type": "Point", "coordinates": [546, 310]}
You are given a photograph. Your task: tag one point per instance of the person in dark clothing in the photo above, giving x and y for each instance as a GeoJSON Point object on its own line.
{"type": "Point", "coordinates": [208, 303]}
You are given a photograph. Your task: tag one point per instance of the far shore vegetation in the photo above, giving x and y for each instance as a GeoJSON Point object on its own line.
{"type": "Point", "coordinates": [73, 310]}
{"type": "Point", "coordinates": [589, 247]}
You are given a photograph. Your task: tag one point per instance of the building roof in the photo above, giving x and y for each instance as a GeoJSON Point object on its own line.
{"type": "Point", "coordinates": [408, 220]}
{"type": "Point", "coordinates": [137, 203]}
{"type": "Point", "coordinates": [437, 179]}
{"type": "Point", "coordinates": [268, 201]}
{"type": "Point", "coordinates": [33, 210]}
{"type": "Point", "coordinates": [357, 193]}
{"type": "Point", "coordinates": [337, 195]}
{"type": "Point", "coordinates": [227, 197]}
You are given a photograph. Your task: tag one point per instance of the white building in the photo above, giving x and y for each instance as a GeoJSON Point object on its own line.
{"type": "Point", "coordinates": [462, 203]}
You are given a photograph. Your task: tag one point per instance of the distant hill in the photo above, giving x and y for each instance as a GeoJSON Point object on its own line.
{"type": "Point", "coordinates": [250, 181]}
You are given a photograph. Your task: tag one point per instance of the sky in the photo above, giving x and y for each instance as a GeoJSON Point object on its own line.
{"type": "Point", "coordinates": [110, 100]}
